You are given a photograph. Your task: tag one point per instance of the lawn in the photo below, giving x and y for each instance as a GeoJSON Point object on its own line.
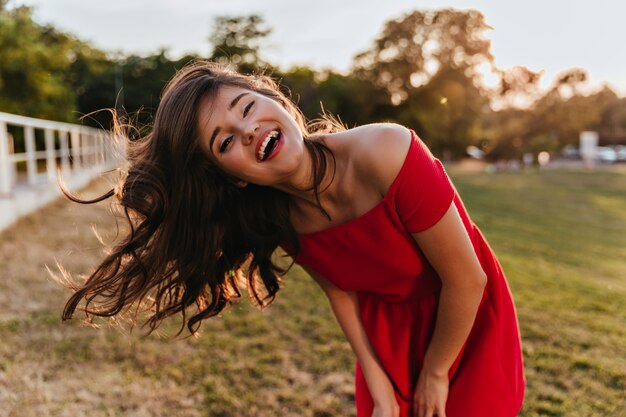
{"type": "Point", "coordinates": [560, 235]}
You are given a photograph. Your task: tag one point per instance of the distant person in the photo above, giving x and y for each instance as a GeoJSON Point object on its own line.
{"type": "Point", "coordinates": [230, 172]}
{"type": "Point", "coordinates": [528, 160]}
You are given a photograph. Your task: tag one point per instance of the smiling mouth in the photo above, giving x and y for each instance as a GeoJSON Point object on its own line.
{"type": "Point", "coordinates": [268, 145]}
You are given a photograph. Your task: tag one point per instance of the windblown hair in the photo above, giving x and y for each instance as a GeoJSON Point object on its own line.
{"type": "Point", "coordinates": [196, 240]}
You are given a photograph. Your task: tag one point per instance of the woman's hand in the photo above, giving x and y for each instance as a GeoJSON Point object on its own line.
{"type": "Point", "coordinates": [383, 394]}
{"type": "Point", "coordinates": [431, 394]}
{"type": "Point", "coordinates": [389, 409]}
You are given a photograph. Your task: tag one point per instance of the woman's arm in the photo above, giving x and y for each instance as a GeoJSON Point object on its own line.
{"type": "Point", "coordinates": [346, 309]}
{"type": "Point", "coordinates": [449, 250]}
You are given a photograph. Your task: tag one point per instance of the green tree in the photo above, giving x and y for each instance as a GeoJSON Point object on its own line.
{"type": "Point", "coordinates": [354, 100]}
{"type": "Point", "coordinates": [34, 67]}
{"type": "Point", "coordinates": [565, 111]}
{"type": "Point", "coordinates": [302, 85]}
{"type": "Point", "coordinates": [94, 86]}
{"type": "Point", "coordinates": [614, 121]}
{"type": "Point", "coordinates": [236, 41]}
{"type": "Point", "coordinates": [554, 119]}
{"type": "Point", "coordinates": [132, 84]}
{"type": "Point", "coordinates": [446, 112]}
{"type": "Point", "coordinates": [518, 87]}
{"type": "Point", "coordinates": [412, 49]}
{"type": "Point", "coordinates": [504, 133]}
{"type": "Point", "coordinates": [143, 81]}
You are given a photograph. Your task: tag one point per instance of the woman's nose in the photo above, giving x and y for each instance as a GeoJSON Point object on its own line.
{"type": "Point", "coordinates": [249, 133]}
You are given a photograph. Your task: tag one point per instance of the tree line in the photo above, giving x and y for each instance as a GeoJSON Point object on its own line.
{"type": "Point", "coordinates": [423, 70]}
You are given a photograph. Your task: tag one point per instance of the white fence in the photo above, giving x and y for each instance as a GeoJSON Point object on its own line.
{"type": "Point", "coordinates": [28, 173]}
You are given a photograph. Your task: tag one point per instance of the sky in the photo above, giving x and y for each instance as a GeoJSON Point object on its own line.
{"type": "Point", "coordinates": [544, 35]}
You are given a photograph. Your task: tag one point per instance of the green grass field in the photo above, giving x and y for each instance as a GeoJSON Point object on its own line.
{"type": "Point", "coordinates": [560, 235]}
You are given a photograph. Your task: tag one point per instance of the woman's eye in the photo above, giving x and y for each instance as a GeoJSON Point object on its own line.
{"type": "Point", "coordinates": [225, 144]}
{"type": "Point", "coordinates": [247, 108]}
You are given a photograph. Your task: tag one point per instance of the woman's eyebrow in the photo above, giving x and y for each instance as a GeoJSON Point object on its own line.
{"type": "Point", "coordinates": [230, 107]}
{"type": "Point", "coordinates": [236, 100]}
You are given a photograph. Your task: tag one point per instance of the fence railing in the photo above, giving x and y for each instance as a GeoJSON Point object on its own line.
{"type": "Point", "coordinates": [33, 150]}
{"type": "Point", "coordinates": [48, 145]}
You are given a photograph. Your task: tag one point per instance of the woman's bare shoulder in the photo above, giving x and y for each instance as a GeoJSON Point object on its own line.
{"type": "Point", "coordinates": [379, 151]}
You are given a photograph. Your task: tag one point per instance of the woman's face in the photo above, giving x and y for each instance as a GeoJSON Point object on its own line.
{"type": "Point", "coordinates": [250, 136]}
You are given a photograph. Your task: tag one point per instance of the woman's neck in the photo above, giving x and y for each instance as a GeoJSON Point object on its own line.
{"type": "Point", "coordinates": [301, 189]}
{"type": "Point", "coordinates": [330, 194]}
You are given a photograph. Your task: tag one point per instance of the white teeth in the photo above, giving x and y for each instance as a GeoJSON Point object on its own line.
{"type": "Point", "coordinates": [269, 136]}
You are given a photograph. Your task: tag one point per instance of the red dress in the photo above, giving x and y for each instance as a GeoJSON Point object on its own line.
{"type": "Point", "coordinates": [376, 256]}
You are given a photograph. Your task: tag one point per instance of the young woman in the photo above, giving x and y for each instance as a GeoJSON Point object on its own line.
{"type": "Point", "coordinates": [230, 172]}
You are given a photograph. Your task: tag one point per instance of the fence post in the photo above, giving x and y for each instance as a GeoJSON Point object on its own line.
{"type": "Point", "coordinates": [100, 143]}
{"type": "Point", "coordinates": [106, 148]}
{"type": "Point", "coordinates": [51, 162]}
{"type": "Point", "coordinates": [91, 150]}
{"type": "Point", "coordinates": [5, 164]}
{"type": "Point", "coordinates": [76, 150]}
{"type": "Point", "coordinates": [65, 151]}
{"type": "Point", "coordinates": [31, 158]}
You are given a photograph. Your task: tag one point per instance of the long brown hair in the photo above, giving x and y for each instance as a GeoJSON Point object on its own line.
{"type": "Point", "coordinates": [196, 240]}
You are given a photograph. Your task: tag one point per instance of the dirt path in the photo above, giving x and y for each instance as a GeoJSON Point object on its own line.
{"type": "Point", "coordinates": [50, 368]}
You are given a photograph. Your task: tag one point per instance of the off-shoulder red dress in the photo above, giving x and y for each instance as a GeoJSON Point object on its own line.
{"type": "Point", "coordinates": [376, 256]}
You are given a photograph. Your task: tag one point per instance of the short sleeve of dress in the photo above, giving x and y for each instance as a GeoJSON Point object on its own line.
{"type": "Point", "coordinates": [424, 191]}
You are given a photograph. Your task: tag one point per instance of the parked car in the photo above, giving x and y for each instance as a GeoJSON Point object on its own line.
{"type": "Point", "coordinates": [606, 154]}
{"type": "Point", "coordinates": [620, 150]}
